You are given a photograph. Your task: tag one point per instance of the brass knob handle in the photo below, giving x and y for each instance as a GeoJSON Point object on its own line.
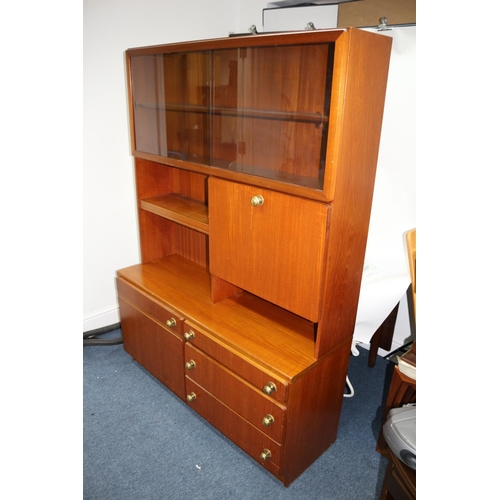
{"type": "Point", "coordinates": [265, 454]}
{"type": "Point", "coordinates": [257, 200]}
{"type": "Point", "coordinates": [268, 420]}
{"type": "Point", "coordinates": [269, 388]}
{"type": "Point", "coordinates": [171, 322]}
{"type": "Point", "coordinates": [189, 336]}
{"type": "Point", "coordinates": [190, 365]}
{"type": "Point", "coordinates": [191, 397]}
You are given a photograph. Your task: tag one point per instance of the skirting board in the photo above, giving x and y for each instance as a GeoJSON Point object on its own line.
{"type": "Point", "coordinates": [101, 319]}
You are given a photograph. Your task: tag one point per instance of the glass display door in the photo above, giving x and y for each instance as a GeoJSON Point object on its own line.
{"type": "Point", "coordinates": [256, 110]}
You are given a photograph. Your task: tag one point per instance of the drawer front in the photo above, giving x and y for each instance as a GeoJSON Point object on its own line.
{"type": "Point", "coordinates": [269, 243]}
{"type": "Point", "coordinates": [237, 429]}
{"type": "Point", "coordinates": [231, 360]}
{"type": "Point", "coordinates": [155, 348]}
{"type": "Point", "coordinates": [260, 410]}
{"type": "Point", "coordinates": [162, 314]}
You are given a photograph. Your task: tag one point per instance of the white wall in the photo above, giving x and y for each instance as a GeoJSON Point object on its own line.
{"type": "Point", "coordinates": [394, 198]}
{"type": "Point", "coordinates": [110, 238]}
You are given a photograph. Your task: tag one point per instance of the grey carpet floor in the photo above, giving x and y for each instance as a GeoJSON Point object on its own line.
{"type": "Point", "coordinates": [140, 442]}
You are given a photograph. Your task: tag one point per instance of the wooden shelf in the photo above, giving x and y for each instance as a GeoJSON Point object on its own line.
{"type": "Point", "coordinates": [179, 208]}
{"type": "Point", "coordinates": [269, 114]}
{"type": "Point", "coordinates": [263, 114]}
{"type": "Point", "coordinates": [187, 108]}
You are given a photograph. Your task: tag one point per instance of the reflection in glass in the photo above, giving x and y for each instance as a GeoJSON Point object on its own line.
{"type": "Point", "coordinates": [259, 110]}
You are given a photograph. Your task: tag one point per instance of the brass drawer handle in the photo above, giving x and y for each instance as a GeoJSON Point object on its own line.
{"type": "Point", "coordinates": [191, 397]}
{"type": "Point", "coordinates": [189, 336]}
{"type": "Point", "coordinates": [265, 454]}
{"type": "Point", "coordinates": [268, 420]}
{"type": "Point", "coordinates": [257, 201]}
{"type": "Point", "coordinates": [171, 322]}
{"type": "Point", "coordinates": [190, 365]}
{"type": "Point", "coordinates": [269, 388]}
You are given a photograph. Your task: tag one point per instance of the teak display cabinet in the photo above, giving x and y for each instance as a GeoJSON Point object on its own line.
{"type": "Point", "coordinates": [255, 160]}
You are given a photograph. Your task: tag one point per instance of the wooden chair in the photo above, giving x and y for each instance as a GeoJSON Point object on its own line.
{"type": "Point", "coordinates": [411, 245]}
{"type": "Point", "coordinates": [400, 480]}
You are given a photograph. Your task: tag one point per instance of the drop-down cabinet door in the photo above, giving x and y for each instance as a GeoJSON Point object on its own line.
{"type": "Point", "coordinates": [268, 243]}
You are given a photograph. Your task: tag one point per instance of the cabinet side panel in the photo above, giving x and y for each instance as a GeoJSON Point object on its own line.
{"type": "Point", "coordinates": [355, 159]}
{"type": "Point", "coordinates": [314, 408]}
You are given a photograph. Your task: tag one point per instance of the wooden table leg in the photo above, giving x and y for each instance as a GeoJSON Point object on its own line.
{"type": "Point", "coordinates": [383, 336]}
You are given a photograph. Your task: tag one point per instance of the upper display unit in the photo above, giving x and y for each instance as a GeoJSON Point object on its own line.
{"type": "Point", "coordinates": [255, 105]}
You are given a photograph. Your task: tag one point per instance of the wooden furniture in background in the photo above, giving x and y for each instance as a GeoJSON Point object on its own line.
{"type": "Point", "coordinates": [385, 333]}
{"type": "Point", "coordinates": [403, 390]}
{"type": "Point", "coordinates": [382, 338]}
{"type": "Point", "coordinates": [368, 12]}
{"type": "Point", "coordinates": [400, 480]}
{"type": "Point", "coordinates": [411, 245]}
{"type": "Point", "coordinates": [255, 161]}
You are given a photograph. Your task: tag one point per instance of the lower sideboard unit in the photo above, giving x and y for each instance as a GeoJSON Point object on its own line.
{"type": "Point", "coordinates": [265, 391]}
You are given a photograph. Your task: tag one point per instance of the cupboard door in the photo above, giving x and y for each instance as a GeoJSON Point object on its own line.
{"type": "Point", "coordinates": [268, 243]}
{"type": "Point", "coordinates": [270, 108]}
{"type": "Point", "coordinates": [153, 347]}
{"type": "Point", "coordinates": [129, 293]}
{"type": "Point", "coordinates": [170, 96]}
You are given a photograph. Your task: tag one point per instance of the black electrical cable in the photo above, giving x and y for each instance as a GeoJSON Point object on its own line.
{"type": "Point", "coordinates": [400, 350]}
{"type": "Point", "coordinates": [91, 338]}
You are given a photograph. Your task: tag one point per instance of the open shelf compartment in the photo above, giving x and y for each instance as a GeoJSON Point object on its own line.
{"type": "Point", "coordinates": [179, 208]}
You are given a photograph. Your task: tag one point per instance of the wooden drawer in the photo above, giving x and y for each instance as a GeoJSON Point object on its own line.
{"type": "Point", "coordinates": [155, 348]}
{"type": "Point", "coordinates": [165, 316]}
{"type": "Point", "coordinates": [237, 429]}
{"type": "Point", "coordinates": [253, 374]}
{"type": "Point", "coordinates": [260, 410]}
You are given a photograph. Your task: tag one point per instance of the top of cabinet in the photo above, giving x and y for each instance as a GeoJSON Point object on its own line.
{"type": "Point", "coordinates": [250, 40]}
{"type": "Point", "coordinates": [269, 110]}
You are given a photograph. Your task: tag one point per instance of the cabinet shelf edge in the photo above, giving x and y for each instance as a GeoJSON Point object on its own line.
{"type": "Point", "coordinates": [179, 208]}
